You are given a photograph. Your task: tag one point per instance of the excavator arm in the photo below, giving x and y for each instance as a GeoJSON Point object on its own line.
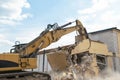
{"type": "Point", "coordinates": [49, 36]}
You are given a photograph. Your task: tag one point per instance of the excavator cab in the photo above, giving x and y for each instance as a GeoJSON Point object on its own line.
{"type": "Point", "coordinates": [17, 47]}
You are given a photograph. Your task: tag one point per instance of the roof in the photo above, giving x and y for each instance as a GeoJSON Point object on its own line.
{"type": "Point", "coordinates": [113, 28]}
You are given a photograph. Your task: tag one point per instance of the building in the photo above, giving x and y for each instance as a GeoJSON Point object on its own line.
{"type": "Point", "coordinates": [111, 37]}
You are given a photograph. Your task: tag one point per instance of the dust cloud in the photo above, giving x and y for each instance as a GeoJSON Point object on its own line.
{"type": "Point", "coordinates": [108, 75]}
{"type": "Point", "coordinates": [105, 75]}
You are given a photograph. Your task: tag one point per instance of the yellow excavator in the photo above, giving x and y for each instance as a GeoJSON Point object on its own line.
{"type": "Point", "coordinates": [23, 56]}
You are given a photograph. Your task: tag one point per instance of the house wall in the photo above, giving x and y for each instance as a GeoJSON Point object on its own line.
{"type": "Point", "coordinates": [112, 39]}
{"type": "Point", "coordinates": [40, 64]}
{"type": "Point", "coordinates": [118, 36]}
{"type": "Point", "coordinates": [107, 37]}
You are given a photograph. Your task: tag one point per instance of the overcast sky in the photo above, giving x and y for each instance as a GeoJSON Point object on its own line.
{"type": "Point", "coordinates": [23, 20]}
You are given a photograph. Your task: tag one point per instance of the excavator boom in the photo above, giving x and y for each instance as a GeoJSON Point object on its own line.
{"type": "Point", "coordinates": [47, 37]}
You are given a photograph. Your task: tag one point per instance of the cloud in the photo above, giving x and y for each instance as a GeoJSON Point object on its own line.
{"type": "Point", "coordinates": [11, 11]}
{"type": "Point", "coordinates": [1, 36]}
{"type": "Point", "coordinates": [5, 44]}
{"type": "Point", "coordinates": [28, 34]}
{"type": "Point", "coordinates": [3, 40]}
{"type": "Point", "coordinates": [98, 5]}
{"type": "Point", "coordinates": [101, 14]}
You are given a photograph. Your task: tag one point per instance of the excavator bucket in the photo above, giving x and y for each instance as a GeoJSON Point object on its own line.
{"type": "Point", "coordinates": [58, 60]}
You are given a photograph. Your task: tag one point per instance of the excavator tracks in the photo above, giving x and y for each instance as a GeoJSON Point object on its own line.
{"type": "Point", "coordinates": [25, 76]}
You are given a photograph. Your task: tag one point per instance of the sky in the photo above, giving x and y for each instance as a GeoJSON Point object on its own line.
{"type": "Point", "coordinates": [24, 20]}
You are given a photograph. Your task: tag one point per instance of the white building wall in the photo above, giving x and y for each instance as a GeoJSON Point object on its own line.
{"type": "Point", "coordinates": [39, 68]}
{"type": "Point", "coordinates": [108, 37]}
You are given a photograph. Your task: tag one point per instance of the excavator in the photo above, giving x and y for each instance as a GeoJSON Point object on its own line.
{"type": "Point", "coordinates": [13, 64]}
